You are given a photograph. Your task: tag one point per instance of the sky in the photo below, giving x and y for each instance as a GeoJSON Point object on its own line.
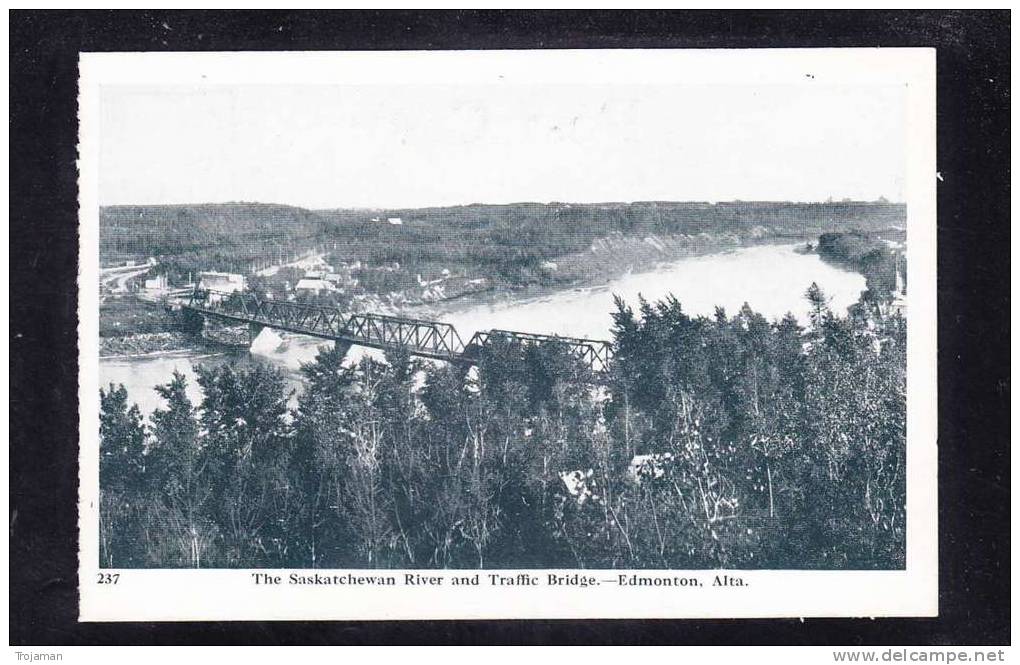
{"type": "Point", "coordinates": [394, 146]}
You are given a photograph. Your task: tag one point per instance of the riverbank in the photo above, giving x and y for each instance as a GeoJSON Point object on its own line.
{"type": "Point", "coordinates": [771, 278]}
{"type": "Point", "coordinates": [141, 344]}
{"type": "Point", "coordinates": [864, 253]}
{"type": "Point", "coordinates": [605, 261]}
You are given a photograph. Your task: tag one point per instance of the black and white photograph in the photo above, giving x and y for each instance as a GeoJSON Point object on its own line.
{"type": "Point", "coordinates": [335, 329]}
{"type": "Point", "coordinates": [631, 322]}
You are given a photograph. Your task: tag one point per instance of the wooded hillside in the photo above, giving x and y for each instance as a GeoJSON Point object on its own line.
{"type": "Point", "coordinates": [507, 242]}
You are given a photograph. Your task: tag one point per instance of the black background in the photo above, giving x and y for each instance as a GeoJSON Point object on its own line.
{"type": "Point", "coordinates": [973, 300]}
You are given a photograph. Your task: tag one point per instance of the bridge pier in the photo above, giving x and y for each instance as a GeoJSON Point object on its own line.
{"type": "Point", "coordinates": [191, 322]}
{"type": "Point", "coordinates": [341, 348]}
{"type": "Point", "coordinates": [253, 331]}
{"type": "Point", "coordinates": [464, 371]}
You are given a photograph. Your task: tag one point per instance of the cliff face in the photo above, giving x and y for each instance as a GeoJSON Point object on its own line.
{"type": "Point", "coordinates": [616, 253]}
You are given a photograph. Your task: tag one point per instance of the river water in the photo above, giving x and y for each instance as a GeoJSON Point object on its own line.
{"type": "Point", "coordinates": [772, 279]}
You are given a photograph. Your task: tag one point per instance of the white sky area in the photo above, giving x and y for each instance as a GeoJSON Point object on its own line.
{"type": "Point", "coordinates": [390, 146]}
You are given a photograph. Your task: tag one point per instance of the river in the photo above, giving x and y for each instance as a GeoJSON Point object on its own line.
{"type": "Point", "coordinates": [772, 279]}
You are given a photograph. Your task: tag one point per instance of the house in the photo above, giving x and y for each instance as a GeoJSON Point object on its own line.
{"type": "Point", "coordinates": [309, 286]}
{"type": "Point", "coordinates": [220, 283]}
{"type": "Point", "coordinates": [156, 284]}
{"type": "Point", "coordinates": [395, 220]}
{"type": "Point", "coordinates": [337, 279]}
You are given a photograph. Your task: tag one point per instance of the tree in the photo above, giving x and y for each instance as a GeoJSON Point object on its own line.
{"type": "Point", "coordinates": [364, 431]}
{"type": "Point", "coordinates": [320, 460]}
{"type": "Point", "coordinates": [244, 414]}
{"type": "Point", "coordinates": [819, 306]}
{"type": "Point", "coordinates": [179, 531]}
{"type": "Point", "coordinates": [121, 476]}
{"type": "Point", "coordinates": [122, 440]}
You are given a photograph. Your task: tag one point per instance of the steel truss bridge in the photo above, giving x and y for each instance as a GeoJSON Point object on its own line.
{"type": "Point", "coordinates": [427, 339]}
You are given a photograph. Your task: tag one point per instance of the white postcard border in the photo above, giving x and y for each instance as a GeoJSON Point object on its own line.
{"type": "Point", "coordinates": [177, 595]}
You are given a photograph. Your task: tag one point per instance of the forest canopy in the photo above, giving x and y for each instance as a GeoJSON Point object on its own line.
{"type": "Point", "coordinates": [725, 441]}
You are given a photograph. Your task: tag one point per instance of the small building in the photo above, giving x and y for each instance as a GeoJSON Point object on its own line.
{"type": "Point", "coordinates": [309, 286]}
{"type": "Point", "coordinates": [221, 281]}
{"type": "Point", "coordinates": [156, 283]}
{"type": "Point", "coordinates": [395, 220]}
{"type": "Point", "coordinates": [338, 279]}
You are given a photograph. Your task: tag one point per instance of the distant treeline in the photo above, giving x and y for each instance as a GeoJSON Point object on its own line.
{"type": "Point", "coordinates": [765, 445]}
{"type": "Point", "coordinates": [506, 242]}
{"type": "Point", "coordinates": [189, 239]}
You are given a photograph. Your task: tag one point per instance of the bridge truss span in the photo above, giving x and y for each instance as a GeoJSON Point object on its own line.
{"type": "Point", "coordinates": [430, 338]}
{"type": "Point", "coordinates": [418, 337]}
{"type": "Point", "coordinates": [595, 353]}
